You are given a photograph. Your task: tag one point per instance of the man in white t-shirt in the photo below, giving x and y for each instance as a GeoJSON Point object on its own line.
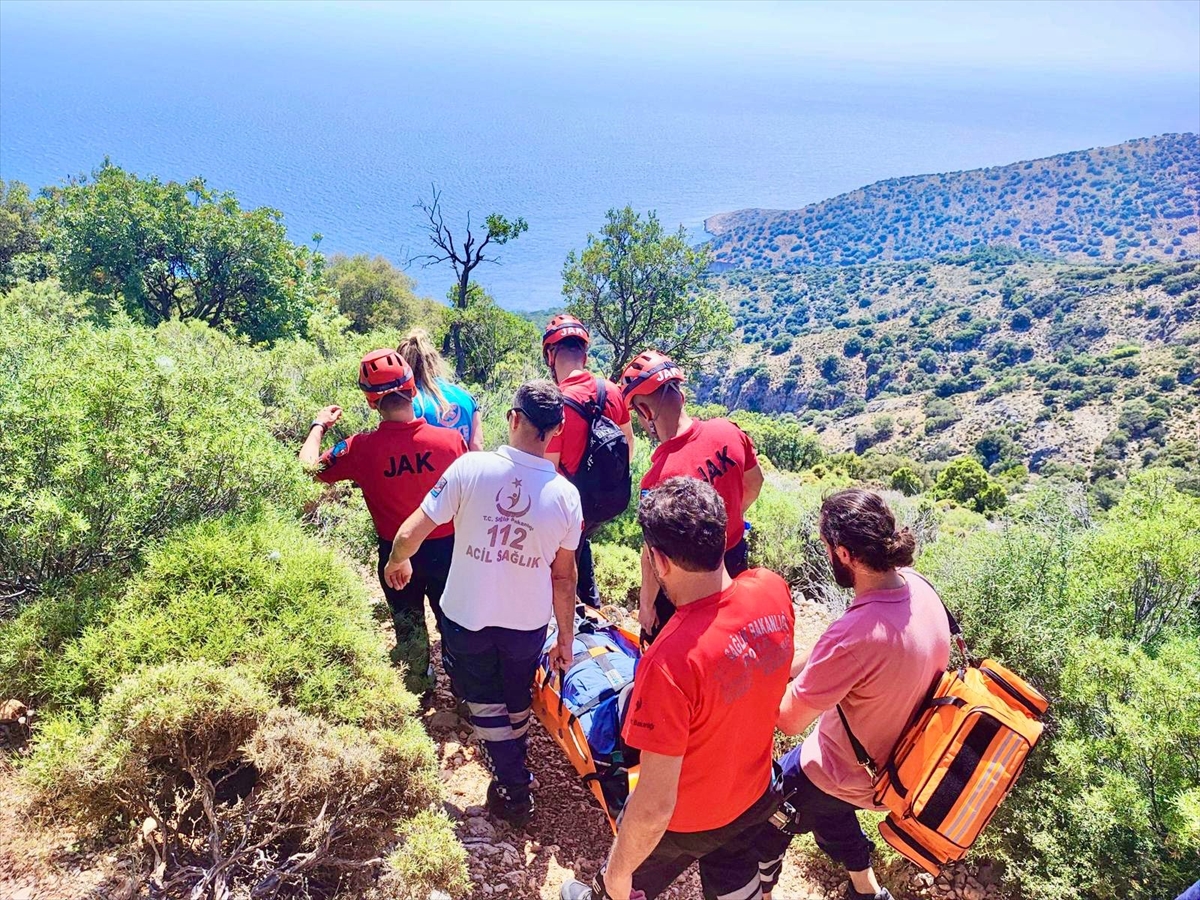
{"type": "Point", "coordinates": [517, 524]}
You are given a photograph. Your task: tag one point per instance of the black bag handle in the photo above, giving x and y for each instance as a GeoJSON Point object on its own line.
{"type": "Point", "coordinates": [860, 752]}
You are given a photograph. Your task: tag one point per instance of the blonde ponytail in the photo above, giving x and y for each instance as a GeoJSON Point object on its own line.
{"type": "Point", "coordinates": [420, 353]}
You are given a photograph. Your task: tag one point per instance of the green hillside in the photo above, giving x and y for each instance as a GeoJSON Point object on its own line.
{"type": "Point", "coordinates": [1133, 201]}
{"type": "Point", "coordinates": [1079, 366]}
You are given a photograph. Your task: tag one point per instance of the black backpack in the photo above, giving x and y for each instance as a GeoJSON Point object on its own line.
{"type": "Point", "coordinates": [603, 478]}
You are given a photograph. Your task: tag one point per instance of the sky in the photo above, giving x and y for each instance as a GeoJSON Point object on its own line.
{"type": "Point", "coordinates": [1138, 37]}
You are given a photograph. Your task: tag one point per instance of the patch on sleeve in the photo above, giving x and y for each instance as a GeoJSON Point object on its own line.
{"type": "Point", "coordinates": [439, 487]}
{"type": "Point", "coordinates": [329, 457]}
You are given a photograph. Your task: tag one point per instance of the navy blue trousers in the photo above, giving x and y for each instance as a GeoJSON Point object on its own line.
{"type": "Point", "coordinates": [832, 821]}
{"type": "Point", "coordinates": [491, 670]}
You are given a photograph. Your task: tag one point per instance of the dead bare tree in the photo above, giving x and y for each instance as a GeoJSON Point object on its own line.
{"type": "Point", "coordinates": [464, 256]}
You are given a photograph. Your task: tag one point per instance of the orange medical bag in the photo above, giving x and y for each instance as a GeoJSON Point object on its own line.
{"type": "Point", "coordinates": [958, 758]}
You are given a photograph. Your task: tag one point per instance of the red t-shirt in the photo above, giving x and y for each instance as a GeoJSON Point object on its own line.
{"type": "Point", "coordinates": [716, 451]}
{"type": "Point", "coordinates": [708, 689]}
{"type": "Point", "coordinates": [571, 442]}
{"type": "Point", "coordinates": [396, 465]}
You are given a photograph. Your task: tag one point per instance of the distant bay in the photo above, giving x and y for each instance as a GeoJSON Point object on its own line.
{"type": "Point", "coordinates": [345, 144]}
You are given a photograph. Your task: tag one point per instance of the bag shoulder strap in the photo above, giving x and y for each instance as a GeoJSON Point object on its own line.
{"type": "Point", "coordinates": [860, 752]}
{"type": "Point", "coordinates": [955, 628]}
{"type": "Point", "coordinates": [590, 416]}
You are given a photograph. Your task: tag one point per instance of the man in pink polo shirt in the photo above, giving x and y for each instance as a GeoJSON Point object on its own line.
{"type": "Point", "coordinates": [877, 663]}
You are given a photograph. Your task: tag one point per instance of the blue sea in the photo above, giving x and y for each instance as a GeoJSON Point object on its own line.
{"type": "Point", "coordinates": [342, 118]}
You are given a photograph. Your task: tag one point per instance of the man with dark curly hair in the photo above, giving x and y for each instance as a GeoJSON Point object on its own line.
{"type": "Point", "coordinates": [702, 711]}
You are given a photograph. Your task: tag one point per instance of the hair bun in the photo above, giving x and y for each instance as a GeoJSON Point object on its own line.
{"type": "Point", "coordinates": [901, 547]}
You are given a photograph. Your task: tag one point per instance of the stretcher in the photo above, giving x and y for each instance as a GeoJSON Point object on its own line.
{"type": "Point", "coordinates": [584, 710]}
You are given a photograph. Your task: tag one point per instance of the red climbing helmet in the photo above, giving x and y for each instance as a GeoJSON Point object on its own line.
{"type": "Point", "coordinates": [649, 371]}
{"type": "Point", "coordinates": [383, 372]}
{"type": "Point", "coordinates": [560, 328]}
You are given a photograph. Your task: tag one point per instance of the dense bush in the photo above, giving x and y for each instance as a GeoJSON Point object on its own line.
{"type": "Point", "coordinates": [242, 654]}
{"type": "Point", "coordinates": [281, 798]}
{"type": "Point", "coordinates": [1107, 628]}
{"type": "Point", "coordinates": [781, 439]}
{"type": "Point", "coordinates": [187, 641]}
{"type": "Point", "coordinates": [618, 574]}
{"type": "Point", "coordinates": [965, 481]}
{"type": "Point", "coordinates": [906, 481]}
{"type": "Point", "coordinates": [114, 436]}
{"type": "Point", "coordinates": [260, 594]}
{"type": "Point", "coordinates": [372, 293]}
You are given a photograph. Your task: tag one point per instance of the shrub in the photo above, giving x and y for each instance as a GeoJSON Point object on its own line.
{"type": "Point", "coordinates": [115, 436]}
{"type": "Point", "coordinates": [618, 574]}
{"type": "Point", "coordinates": [258, 593]}
{"type": "Point", "coordinates": [35, 301]}
{"type": "Point", "coordinates": [781, 439]}
{"type": "Point", "coordinates": [965, 481]}
{"type": "Point", "coordinates": [1102, 809]}
{"type": "Point", "coordinates": [429, 857]}
{"type": "Point", "coordinates": [880, 429]}
{"type": "Point", "coordinates": [167, 703]}
{"type": "Point", "coordinates": [277, 796]}
{"type": "Point", "coordinates": [1120, 769]}
{"type": "Point", "coordinates": [940, 415]}
{"type": "Point", "coordinates": [784, 538]}
{"type": "Point", "coordinates": [906, 481]}
{"type": "Point", "coordinates": [371, 293]}
{"type": "Point", "coordinates": [996, 449]}
{"type": "Point", "coordinates": [784, 535]}
{"type": "Point", "coordinates": [157, 728]}
{"type": "Point", "coordinates": [31, 642]}
{"type": "Point", "coordinates": [1139, 419]}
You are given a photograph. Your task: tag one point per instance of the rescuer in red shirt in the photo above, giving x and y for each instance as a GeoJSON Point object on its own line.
{"type": "Point", "coordinates": [565, 349]}
{"type": "Point", "coordinates": [702, 711]}
{"type": "Point", "coordinates": [713, 450]}
{"type": "Point", "coordinates": [395, 465]}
